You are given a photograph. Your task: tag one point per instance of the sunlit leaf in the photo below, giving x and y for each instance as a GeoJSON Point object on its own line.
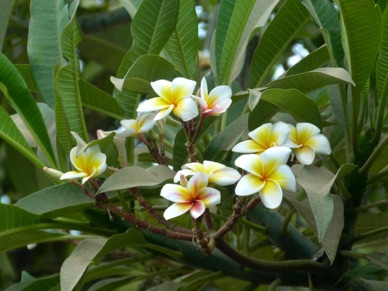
{"type": "Point", "coordinates": [281, 31]}
{"type": "Point", "coordinates": [235, 23]}
{"type": "Point", "coordinates": [130, 177]}
{"type": "Point", "coordinates": [14, 88]}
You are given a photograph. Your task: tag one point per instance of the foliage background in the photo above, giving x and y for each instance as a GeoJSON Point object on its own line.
{"type": "Point", "coordinates": [309, 29]}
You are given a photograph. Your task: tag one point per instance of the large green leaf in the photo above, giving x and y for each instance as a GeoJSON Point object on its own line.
{"type": "Point", "coordinates": [312, 80]}
{"type": "Point", "coordinates": [11, 134]}
{"type": "Point", "coordinates": [14, 88]}
{"type": "Point", "coordinates": [182, 46]}
{"type": "Point", "coordinates": [382, 61]}
{"type": "Point", "coordinates": [48, 19]}
{"type": "Point", "coordinates": [98, 100]}
{"type": "Point", "coordinates": [147, 68]}
{"type": "Point", "coordinates": [56, 201]}
{"type": "Point", "coordinates": [275, 40]}
{"type": "Point", "coordinates": [66, 79]}
{"type": "Point", "coordinates": [358, 20]}
{"type": "Point", "coordinates": [130, 177]}
{"type": "Point", "coordinates": [312, 61]}
{"type": "Point", "coordinates": [301, 107]}
{"type": "Point", "coordinates": [235, 23]}
{"type": "Point", "coordinates": [5, 13]}
{"type": "Point", "coordinates": [151, 28]}
{"type": "Point", "coordinates": [326, 18]}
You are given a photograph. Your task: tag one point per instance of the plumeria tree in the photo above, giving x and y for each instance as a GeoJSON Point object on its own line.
{"type": "Point", "coordinates": [175, 144]}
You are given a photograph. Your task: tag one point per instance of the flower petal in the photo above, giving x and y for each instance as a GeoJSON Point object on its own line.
{"type": "Point", "coordinates": [176, 209]}
{"type": "Point", "coordinates": [305, 155]}
{"type": "Point", "coordinates": [186, 109]}
{"type": "Point", "coordinates": [279, 133]}
{"type": "Point", "coordinates": [271, 195]}
{"type": "Point", "coordinates": [248, 146]}
{"type": "Point", "coordinates": [181, 87]}
{"type": "Point", "coordinates": [153, 104]}
{"type": "Point", "coordinates": [72, 175]}
{"type": "Point", "coordinates": [175, 193]}
{"type": "Point", "coordinates": [225, 176]}
{"type": "Point", "coordinates": [117, 82]}
{"type": "Point", "coordinates": [284, 177]}
{"type": "Point", "coordinates": [197, 209]}
{"type": "Point", "coordinates": [261, 135]}
{"type": "Point", "coordinates": [274, 157]}
{"type": "Point", "coordinates": [248, 185]}
{"type": "Point", "coordinates": [251, 163]}
{"type": "Point", "coordinates": [306, 130]}
{"type": "Point", "coordinates": [184, 172]}
{"type": "Point", "coordinates": [164, 113]}
{"type": "Point", "coordinates": [196, 183]}
{"type": "Point", "coordinates": [209, 196]}
{"type": "Point", "coordinates": [161, 87]}
{"type": "Point", "coordinates": [320, 144]}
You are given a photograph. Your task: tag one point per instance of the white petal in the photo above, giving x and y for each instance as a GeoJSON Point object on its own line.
{"type": "Point", "coordinates": [225, 176]}
{"type": "Point", "coordinates": [275, 156]}
{"type": "Point", "coordinates": [153, 104]}
{"type": "Point", "coordinates": [305, 155]}
{"type": "Point", "coordinates": [186, 109]}
{"type": "Point", "coordinates": [161, 87]}
{"type": "Point", "coordinates": [145, 122]}
{"type": "Point", "coordinates": [247, 146]}
{"type": "Point", "coordinates": [182, 87]}
{"type": "Point", "coordinates": [306, 130]}
{"type": "Point", "coordinates": [271, 195]}
{"type": "Point", "coordinates": [250, 162]}
{"type": "Point", "coordinates": [320, 144]}
{"type": "Point", "coordinates": [72, 175]}
{"type": "Point", "coordinates": [176, 209]}
{"type": "Point", "coordinates": [209, 196]}
{"type": "Point", "coordinates": [164, 113]}
{"type": "Point", "coordinates": [279, 133]}
{"type": "Point", "coordinates": [117, 82]}
{"type": "Point", "coordinates": [184, 172]}
{"type": "Point", "coordinates": [248, 185]}
{"type": "Point", "coordinates": [284, 177]}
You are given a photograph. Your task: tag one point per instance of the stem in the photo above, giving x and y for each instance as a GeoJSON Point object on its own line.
{"type": "Point", "coordinates": [371, 205]}
{"type": "Point", "coordinates": [378, 176]}
{"type": "Point", "coordinates": [271, 266]}
{"type": "Point", "coordinates": [370, 233]}
{"type": "Point", "coordinates": [372, 158]}
{"type": "Point", "coordinates": [354, 132]}
{"type": "Point", "coordinates": [344, 101]}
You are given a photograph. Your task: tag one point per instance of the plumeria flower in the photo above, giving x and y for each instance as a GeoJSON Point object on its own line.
{"type": "Point", "coordinates": [264, 137]}
{"type": "Point", "coordinates": [267, 175]}
{"type": "Point", "coordinates": [216, 102]}
{"type": "Point", "coordinates": [90, 163]}
{"type": "Point", "coordinates": [132, 127]}
{"type": "Point", "coordinates": [305, 140]}
{"type": "Point", "coordinates": [217, 173]}
{"type": "Point", "coordinates": [194, 197]}
{"type": "Point", "coordinates": [175, 96]}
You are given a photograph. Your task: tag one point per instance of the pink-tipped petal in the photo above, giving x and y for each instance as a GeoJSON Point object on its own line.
{"type": "Point", "coordinates": [248, 146]}
{"type": "Point", "coordinates": [175, 193]}
{"type": "Point", "coordinates": [186, 109]}
{"type": "Point", "coordinates": [209, 196]}
{"type": "Point", "coordinates": [184, 172]}
{"type": "Point", "coordinates": [271, 195]}
{"type": "Point", "coordinates": [197, 209]}
{"type": "Point", "coordinates": [176, 209]}
{"type": "Point", "coordinates": [196, 183]}
{"type": "Point", "coordinates": [248, 185]}
{"type": "Point", "coordinates": [305, 155]}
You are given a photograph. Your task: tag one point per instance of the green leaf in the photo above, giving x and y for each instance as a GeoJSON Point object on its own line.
{"type": "Point", "coordinates": [281, 31]}
{"type": "Point", "coordinates": [227, 138]}
{"type": "Point", "coordinates": [25, 71]}
{"type": "Point", "coordinates": [14, 88]}
{"type": "Point", "coordinates": [182, 46]}
{"type": "Point", "coordinates": [146, 69]}
{"type": "Point", "coordinates": [48, 19]}
{"type": "Point", "coordinates": [56, 201]}
{"type": "Point", "coordinates": [5, 13]}
{"type": "Point", "coordinates": [44, 283]}
{"type": "Point", "coordinates": [313, 60]}
{"type": "Point", "coordinates": [309, 81]}
{"type": "Point", "coordinates": [66, 79]}
{"type": "Point", "coordinates": [151, 28]}
{"type": "Point", "coordinates": [98, 100]}
{"type": "Point", "coordinates": [382, 61]}
{"type": "Point", "coordinates": [301, 107]}
{"type": "Point", "coordinates": [130, 177]}
{"type": "Point", "coordinates": [358, 20]}
{"type": "Point", "coordinates": [235, 23]}
{"type": "Point", "coordinates": [326, 18]}
{"type": "Point", "coordinates": [11, 134]}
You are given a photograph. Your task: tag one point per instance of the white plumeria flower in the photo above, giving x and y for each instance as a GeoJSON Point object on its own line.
{"type": "Point", "coordinates": [264, 137]}
{"type": "Point", "coordinates": [90, 163]}
{"type": "Point", "coordinates": [175, 96]}
{"type": "Point", "coordinates": [194, 197]}
{"type": "Point", "coordinates": [132, 127]}
{"type": "Point", "coordinates": [305, 140]}
{"type": "Point", "coordinates": [217, 173]}
{"type": "Point", "coordinates": [267, 175]}
{"type": "Point", "coordinates": [216, 102]}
